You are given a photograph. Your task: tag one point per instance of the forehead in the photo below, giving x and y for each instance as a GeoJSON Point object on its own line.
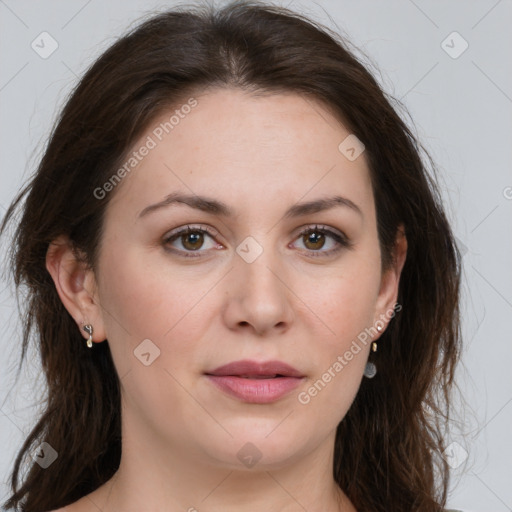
{"type": "Point", "coordinates": [245, 148]}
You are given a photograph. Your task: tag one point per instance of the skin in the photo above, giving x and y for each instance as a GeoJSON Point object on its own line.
{"type": "Point", "coordinates": [260, 155]}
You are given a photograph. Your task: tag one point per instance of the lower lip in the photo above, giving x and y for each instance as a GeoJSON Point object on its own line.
{"type": "Point", "coordinates": [255, 391]}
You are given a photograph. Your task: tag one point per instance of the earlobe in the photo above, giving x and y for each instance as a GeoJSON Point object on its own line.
{"type": "Point", "coordinates": [75, 284]}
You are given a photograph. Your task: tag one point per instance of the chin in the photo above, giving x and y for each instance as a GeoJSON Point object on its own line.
{"type": "Point", "coordinates": [264, 447]}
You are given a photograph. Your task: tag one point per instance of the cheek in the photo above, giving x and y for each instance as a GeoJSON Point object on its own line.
{"type": "Point", "coordinates": [146, 302]}
{"type": "Point", "coordinates": [345, 300]}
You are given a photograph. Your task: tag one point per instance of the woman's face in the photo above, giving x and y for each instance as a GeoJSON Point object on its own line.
{"type": "Point", "coordinates": [260, 277]}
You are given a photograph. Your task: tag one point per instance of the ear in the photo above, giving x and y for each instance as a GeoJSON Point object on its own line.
{"type": "Point", "coordinates": [390, 280]}
{"type": "Point", "coordinates": [76, 285]}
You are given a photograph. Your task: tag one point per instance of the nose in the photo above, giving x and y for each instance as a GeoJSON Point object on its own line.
{"type": "Point", "coordinates": [258, 298]}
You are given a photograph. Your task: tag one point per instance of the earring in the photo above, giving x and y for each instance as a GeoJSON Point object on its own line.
{"type": "Point", "coordinates": [370, 369]}
{"type": "Point", "coordinates": [88, 329]}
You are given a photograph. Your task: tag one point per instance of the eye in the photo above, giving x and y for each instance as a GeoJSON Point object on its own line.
{"type": "Point", "coordinates": [322, 240]}
{"type": "Point", "coordinates": [191, 239]}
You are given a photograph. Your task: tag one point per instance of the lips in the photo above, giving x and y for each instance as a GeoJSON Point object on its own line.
{"type": "Point", "coordinates": [253, 369]}
{"type": "Point", "coordinates": [253, 382]}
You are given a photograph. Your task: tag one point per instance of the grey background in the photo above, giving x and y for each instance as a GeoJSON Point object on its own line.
{"type": "Point", "coordinates": [461, 109]}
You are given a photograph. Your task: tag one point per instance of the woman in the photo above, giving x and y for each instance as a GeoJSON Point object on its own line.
{"type": "Point", "coordinates": [243, 283]}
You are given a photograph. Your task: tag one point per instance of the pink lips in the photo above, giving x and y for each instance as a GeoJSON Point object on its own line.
{"type": "Point", "coordinates": [255, 382]}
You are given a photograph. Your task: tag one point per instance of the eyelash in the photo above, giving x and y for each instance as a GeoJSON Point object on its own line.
{"type": "Point", "coordinates": [341, 239]}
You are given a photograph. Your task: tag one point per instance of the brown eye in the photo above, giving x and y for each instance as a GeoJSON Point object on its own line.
{"type": "Point", "coordinates": [321, 241]}
{"type": "Point", "coordinates": [192, 241]}
{"type": "Point", "coordinates": [314, 240]}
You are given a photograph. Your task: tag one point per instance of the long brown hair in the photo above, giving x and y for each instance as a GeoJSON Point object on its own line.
{"type": "Point", "coordinates": [388, 448]}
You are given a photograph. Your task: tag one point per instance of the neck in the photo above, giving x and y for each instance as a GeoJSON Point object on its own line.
{"type": "Point", "coordinates": [174, 478]}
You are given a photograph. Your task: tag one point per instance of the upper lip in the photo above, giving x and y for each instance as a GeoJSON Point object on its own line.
{"type": "Point", "coordinates": [247, 367]}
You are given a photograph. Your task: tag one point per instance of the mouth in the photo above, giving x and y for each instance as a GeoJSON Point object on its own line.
{"type": "Point", "coordinates": [254, 382]}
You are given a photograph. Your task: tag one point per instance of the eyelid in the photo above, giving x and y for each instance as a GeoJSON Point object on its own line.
{"type": "Point", "coordinates": [320, 227]}
{"type": "Point", "coordinates": [191, 227]}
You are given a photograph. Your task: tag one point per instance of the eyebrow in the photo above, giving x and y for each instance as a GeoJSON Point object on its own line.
{"type": "Point", "coordinates": [215, 207]}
